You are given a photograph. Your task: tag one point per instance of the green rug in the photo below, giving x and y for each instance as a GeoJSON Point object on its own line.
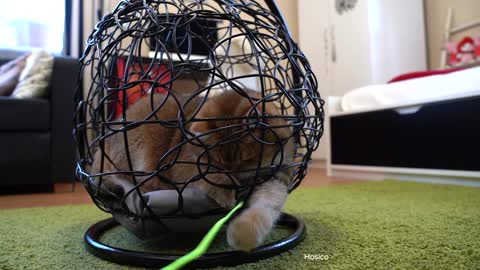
{"type": "Point", "coordinates": [374, 225]}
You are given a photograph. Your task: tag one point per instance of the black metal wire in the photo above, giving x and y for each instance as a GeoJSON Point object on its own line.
{"type": "Point", "coordinates": [205, 41]}
{"type": "Point", "coordinates": [156, 260]}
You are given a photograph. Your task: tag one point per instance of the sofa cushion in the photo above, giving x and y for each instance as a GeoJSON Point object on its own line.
{"type": "Point", "coordinates": [8, 80]}
{"type": "Point", "coordinates": [9, 74]}
{"type": "Point", "coordinates": [24, 114]}
{"type": "Point", "coordinates": [35, 77]}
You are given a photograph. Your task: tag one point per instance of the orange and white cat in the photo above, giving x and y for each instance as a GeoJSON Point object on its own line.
{"type": "Point", "coordinates": [228, 151]}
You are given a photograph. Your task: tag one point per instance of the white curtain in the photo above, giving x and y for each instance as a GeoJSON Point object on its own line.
{"type": "Point", "coordinates": [85, 15]}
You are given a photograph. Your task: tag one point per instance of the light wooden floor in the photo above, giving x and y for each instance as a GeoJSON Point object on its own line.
{"type": "Point", "coordinates": [63, 194]}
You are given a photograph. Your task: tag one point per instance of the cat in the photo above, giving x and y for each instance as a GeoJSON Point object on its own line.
{"type": "Point", "coordinates": [233, 147]}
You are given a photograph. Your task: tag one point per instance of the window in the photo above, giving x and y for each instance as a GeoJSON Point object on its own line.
{"type": "Point", "coordinates": [31, 24]}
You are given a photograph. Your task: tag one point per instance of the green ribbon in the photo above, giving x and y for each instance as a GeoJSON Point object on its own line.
{"type": "Point", "coordinates": [203, 246]}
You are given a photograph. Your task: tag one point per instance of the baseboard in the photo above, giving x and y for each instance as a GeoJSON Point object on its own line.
{"type": "Point", "coordinates": [377, 175]}
{"type": "Point", "coordinates": [318, 163]}
{"type": "Point", "coordinates": [26, 189]}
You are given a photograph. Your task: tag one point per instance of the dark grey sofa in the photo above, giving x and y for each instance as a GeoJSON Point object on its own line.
{"type": "Point", "coordinates": [36, 143]}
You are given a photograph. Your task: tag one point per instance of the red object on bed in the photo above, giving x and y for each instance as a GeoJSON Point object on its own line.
{"type": "Point", "coordinates": [158, 75]}
{"type": "Point", "coordinates": [420, 74]}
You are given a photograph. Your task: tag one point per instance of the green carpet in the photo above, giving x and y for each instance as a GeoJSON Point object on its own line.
{"type": "Point", "coordinates": [374, 225]}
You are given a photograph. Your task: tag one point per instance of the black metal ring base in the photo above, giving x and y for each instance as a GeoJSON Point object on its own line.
{"type": "Point", "coordinates": [155, 260]}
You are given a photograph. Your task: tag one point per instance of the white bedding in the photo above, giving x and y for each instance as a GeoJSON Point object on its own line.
{"type": "Point", "coordinates": [439, 87]}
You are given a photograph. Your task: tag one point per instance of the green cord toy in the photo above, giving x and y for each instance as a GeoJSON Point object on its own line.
{"type": "Point", "coordinates": [203, 246]}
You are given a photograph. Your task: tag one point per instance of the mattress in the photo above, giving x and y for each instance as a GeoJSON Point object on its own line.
{"type": "Point", "coordinates": [458, 84]}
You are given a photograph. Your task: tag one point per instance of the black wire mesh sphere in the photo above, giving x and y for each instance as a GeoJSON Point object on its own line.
{"type": "Point", "coordinates": [191, 57]}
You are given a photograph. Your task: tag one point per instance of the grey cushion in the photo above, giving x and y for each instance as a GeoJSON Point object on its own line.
{"type": "Point", "coordinates": [24, 114]}
{"type": "Point", "coordinates": [200, 212]}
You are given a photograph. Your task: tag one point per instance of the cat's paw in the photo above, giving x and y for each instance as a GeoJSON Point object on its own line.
{"type": "Point", "coordinates": [248, 230]}
{"type": "Point", "coordinates": [224, 198]}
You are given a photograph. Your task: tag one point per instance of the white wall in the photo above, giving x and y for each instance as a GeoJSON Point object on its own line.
{"type": "Point", "coordinates": [289, 9]}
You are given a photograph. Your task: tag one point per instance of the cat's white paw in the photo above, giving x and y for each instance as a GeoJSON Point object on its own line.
{"type": "Point", "coordinates": [248, 230]}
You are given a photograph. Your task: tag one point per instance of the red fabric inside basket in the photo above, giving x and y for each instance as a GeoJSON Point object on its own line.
{"type": "Point", "coordinates": [153, 80]}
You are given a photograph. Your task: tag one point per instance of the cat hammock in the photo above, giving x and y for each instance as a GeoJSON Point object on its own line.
{"type": "Point", "coordinates": [183, 50]}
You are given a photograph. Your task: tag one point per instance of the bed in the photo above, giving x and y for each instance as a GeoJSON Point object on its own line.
{"type": "Point", "coordinates": [423, 129]}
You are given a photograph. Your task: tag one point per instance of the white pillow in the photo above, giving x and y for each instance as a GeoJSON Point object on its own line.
{"type": "Point", "coordinates": [35, 77]}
